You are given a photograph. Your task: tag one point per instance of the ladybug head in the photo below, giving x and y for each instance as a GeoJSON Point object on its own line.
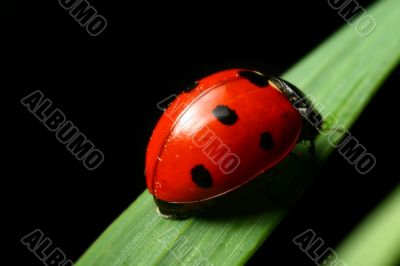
{"type": "Point", "coordinates": [312, 119]}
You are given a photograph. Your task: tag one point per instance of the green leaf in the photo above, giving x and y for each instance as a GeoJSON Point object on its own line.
{"type": "Point", "coordinates": [342, 74]}
{"type": "Point", "coordinates": [376, 241]}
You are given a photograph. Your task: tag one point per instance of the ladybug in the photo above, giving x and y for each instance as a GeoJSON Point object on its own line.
{"type": "Point", "coordinates": [229, 128]}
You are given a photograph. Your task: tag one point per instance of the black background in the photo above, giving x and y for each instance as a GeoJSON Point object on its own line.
{"type": "Point", "coordinates": [109, 86]}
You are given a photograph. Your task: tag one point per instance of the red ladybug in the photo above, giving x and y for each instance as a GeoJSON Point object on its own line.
{"type": "Point", "coordinates": [232, 126]}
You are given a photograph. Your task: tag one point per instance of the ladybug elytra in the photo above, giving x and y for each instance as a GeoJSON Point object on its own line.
{"type": "Point", "coordinates": [229, 128]}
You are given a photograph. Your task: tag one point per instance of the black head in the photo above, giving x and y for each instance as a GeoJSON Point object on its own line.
{"type": "Point", "coordinates": [312, 119]}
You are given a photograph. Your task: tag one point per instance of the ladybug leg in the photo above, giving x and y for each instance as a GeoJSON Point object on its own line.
{"type": "Point", "coordinates": [294, 156]}
{"type": "Point", "coordinates": [311, 148]}
{"type": "Point", "coordinates": [268, 183]}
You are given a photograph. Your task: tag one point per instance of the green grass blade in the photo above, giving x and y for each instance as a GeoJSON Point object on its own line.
{"type": "Point", "coordinates": [343, 74]}
{"type": "Point", "coordinates": [376, 241]}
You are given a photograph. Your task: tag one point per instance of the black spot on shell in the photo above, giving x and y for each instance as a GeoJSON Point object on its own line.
{"type": "Point", "coordinates": [225, 115]}
{"type": "Point", "coordinates": [266, 141]}
{"type": "Point", "coordinates": [256, 78]}
{"type": "Point", "coordinates": [201, 176]}
{"type": "Point", "coordinates": [191, 86]}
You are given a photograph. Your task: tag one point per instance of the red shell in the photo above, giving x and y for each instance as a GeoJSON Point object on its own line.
{"type": "Point", "coordinates": [189, 134]}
